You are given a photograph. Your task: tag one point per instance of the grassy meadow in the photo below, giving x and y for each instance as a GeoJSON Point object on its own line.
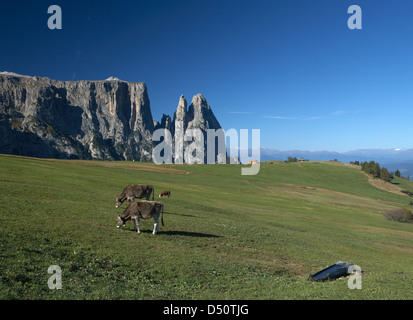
{"type": "Point", "coordinates": [226, 236]}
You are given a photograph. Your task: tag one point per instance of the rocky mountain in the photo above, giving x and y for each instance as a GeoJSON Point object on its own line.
{"type": "Point", "coordinates": [106, 120]}
{"type": "Point", "coordinates": [198, 115]}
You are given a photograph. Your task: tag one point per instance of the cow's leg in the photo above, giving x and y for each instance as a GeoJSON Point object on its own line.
{"type": "Point", "coordinates": [136, 227]}
{"type": "Point", "coordinates": [156, 224]}
{"type": "Point", "coordinates": [139, 225]}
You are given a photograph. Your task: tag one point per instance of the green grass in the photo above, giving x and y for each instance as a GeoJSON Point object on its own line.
{"type": "Point", "coordinates": [226, 236]}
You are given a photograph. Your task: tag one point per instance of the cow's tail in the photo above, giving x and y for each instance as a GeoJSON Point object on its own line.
{"type": "Point", "coordinates": [162, 216]}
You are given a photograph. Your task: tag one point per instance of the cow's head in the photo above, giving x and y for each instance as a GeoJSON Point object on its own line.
{"type": "Point", "coordinates": [118, 202]}
{"type": "Point", "coordinates": [120, 222]}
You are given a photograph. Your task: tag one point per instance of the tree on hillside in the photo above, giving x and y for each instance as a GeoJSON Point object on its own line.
{"type": "Point", "coordinates": [384, 174]}
{"type": "Point", "coordinates": [370, 167]}
{"type": "Point", "coordinates": [397, 173]}
{"type": "Point", "coordinates": [292, 159]}
{"type": "Point", "coordinates": [365, 167]}
{"type": "Point", "coordinates": [376, 170]}
{"type": "Point", "coordinates": [373, 168]}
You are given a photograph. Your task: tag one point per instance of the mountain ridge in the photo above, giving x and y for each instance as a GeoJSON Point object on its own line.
{"type": "Point", "coordinates": [392, 159]}
{"type": "Point", "coordinates": [105, 119]}
{"type": "Point", "coordinates": [398, 154]}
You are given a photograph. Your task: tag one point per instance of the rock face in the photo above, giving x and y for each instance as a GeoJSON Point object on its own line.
{"type": "Point", "coordinates": [199, 115]}
{"type": "Point", "coordinates": [106, 120]}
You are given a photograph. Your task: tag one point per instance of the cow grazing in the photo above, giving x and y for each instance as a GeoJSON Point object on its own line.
{"type": "Point", "coordinates": [165, 193]}
{"type": "Point", "coordinates": [144, 210]}
{"type": "Point", "coordinates": [131, 192]}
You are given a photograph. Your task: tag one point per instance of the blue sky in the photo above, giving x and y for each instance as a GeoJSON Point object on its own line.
{"type": "Point", "coordinates": [291, 68]}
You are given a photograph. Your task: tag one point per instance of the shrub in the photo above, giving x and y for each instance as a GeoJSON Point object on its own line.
{"type": "Point", "coordinates": [399, 215]}
{"type": "Point", "coordinates": [292, 159]}
{"type": "Point", "coordinates": [410, 194]}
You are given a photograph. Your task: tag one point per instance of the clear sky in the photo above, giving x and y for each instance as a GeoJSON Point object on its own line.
{"type": "Point", "coordinates": [291, 68]}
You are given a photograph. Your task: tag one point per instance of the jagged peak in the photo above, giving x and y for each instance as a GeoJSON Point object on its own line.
{"type": "Point", "coordinates": [199, 100]}
{"type": "Point", "coordinates": [199, 96]}
{"type": "Point", "coordinates": [182, 105]}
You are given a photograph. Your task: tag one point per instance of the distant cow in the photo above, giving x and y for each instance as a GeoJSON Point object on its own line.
{"type": "Point", "coordinates": [135, 191]}
{"type": "Point", "coordinates": [165, 193]}
{"type": "Point", "coordinates": [144, 210]}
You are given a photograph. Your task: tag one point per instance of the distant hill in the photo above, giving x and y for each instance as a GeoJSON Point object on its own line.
{"type": "Point", "coordinates": [392, 159]}
{"type": "Point", "coordinates": [405, 167]}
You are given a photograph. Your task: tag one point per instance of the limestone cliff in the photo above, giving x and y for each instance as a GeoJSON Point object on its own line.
{"type": "Point", "coordinates": [106, 120]}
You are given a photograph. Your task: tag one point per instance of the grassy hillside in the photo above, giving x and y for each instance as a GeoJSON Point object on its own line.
{"type": "Point", "coordinates": [226, 236]}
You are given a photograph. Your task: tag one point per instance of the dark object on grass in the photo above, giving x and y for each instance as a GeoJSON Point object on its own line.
{"type": "Point", "coordinates": [337, 270]}
{"type": "Point", "coordinates": [410, 194]}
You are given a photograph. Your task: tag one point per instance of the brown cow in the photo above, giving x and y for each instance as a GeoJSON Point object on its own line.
{"type": "Point", "coordinates": [165, 193]}
{"type": "Point", "coordinates": [144, 210]}
{"type": "Point", "coordinates": [131, 192]}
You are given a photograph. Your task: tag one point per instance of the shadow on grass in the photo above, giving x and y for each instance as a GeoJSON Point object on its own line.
{"type": "Point", "coordinates": [189, 234]}
{"type": "Point", "coordinates": [179, 233]}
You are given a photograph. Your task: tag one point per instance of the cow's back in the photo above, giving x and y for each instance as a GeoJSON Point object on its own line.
{"type": "Point", "coordinates": [128, 191]}
{"type": "Point", "coordinates": [147, 209]}
{"type": "Point", "coordinates": [140, 191]}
